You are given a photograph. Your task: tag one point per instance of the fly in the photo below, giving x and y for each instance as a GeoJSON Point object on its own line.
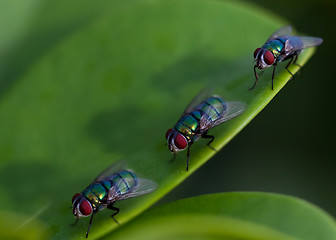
{"type": "Point", "coordinates": [112, 185]}
{"type": "Point", "coordinates": [279, 47]}
{"type": "Point", "coordinates": [198, 118]}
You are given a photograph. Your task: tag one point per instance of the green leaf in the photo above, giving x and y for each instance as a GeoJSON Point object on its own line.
{"type": "Point", "coordinates": [103, 81]}
{"type": "Point", "coordinates": [232, 216]}
{"type": "Point", "coordinates": [14, 226]}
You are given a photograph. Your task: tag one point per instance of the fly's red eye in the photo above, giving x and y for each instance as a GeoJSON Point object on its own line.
{"type": "Point", "coordinates": [168, 132]}
{"type": "Point", "coordinates": [180, 142]}
{"type": "Point", "coordinates": [85, 208]}
{"type": "Point", "coordinates": [256, 52]}
{"type": "Point", "coordinates": [268, 58]}
{"type": "Point", "coordinates": [75, 196]}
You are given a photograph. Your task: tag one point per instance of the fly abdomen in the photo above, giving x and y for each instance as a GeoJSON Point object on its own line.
{"type": "Point", "coordinates": [213, 108]}
{"type": "Point", "coordinates": [124, 181]}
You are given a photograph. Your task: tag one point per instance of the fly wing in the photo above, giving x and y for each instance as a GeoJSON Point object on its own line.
{"type": "Point", "coordinates": [142, 187]}
{"type": "Point", "coordinates": [111, 170]}
{"type": "Point", "coordinates": [295, 43]}
{"type": "Point", "coordinates": [202, 95]}
{"type": "Point", "coordinates": [284, 31]}
{"type": "Point", "coordinates": [311, 41]}
{"type": "Point", "coordinates": [233, 109]}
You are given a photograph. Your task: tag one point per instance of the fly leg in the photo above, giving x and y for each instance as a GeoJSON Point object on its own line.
{"type": "Point", "coordinates": [87, 232]}
{"type": "Point", "coordinates": [256, 76]}
{"type": "Point", "coordinates": [205, 135]}
{"type": "Point", "coordinates": [294, 62]}
{"type": "Point", "coordinates": [116, 212]}
{"type": "Point", "coordinates": [188, 154]}
{"type": "Point", "coordinates": [289, 63]}
{"type": "Point", "coordinates": [273, 74]}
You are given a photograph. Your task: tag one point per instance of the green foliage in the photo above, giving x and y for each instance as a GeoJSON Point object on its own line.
{"type": "Point", "coordinates": [231, 216]}
{"type": "Point", "coordinates": [88, 84]}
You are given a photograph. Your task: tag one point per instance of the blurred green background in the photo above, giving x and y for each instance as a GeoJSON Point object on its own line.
{"type": "Point", "coordinates": [289, 147]}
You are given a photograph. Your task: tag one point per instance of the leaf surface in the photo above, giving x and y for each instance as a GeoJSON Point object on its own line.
{"type": "Point", "coordinates": [236, 215]}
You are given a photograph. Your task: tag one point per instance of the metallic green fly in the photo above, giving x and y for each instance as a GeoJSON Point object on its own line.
{"type": "Point", "coordinates": [198, 118]}
{"type": "Point", "coordinates": [112, 185]}
{"type": "Point", "coordinates": [279, 47]}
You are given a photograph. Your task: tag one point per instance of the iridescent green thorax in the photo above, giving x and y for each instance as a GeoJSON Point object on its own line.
{"type": "Point", "coordinates": [275, 46]}
{"type": "Point", "coordinates": [188, 124]}
{"type": "Point", "coordinates": [107, 184]}
{"type": "Point", "coordinates": [95, 193]}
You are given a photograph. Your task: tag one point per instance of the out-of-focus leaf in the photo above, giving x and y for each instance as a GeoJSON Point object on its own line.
{"type": "Point", "coordinates": [232, 216]}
